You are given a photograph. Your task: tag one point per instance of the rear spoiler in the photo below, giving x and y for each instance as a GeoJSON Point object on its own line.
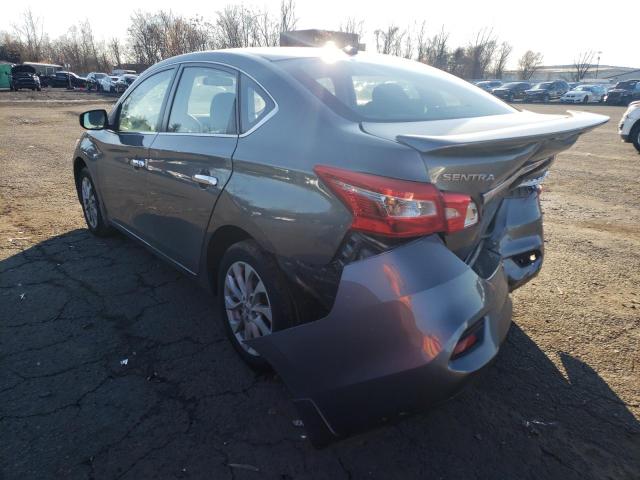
{"type": "Point", "coordinates": [574, 124]}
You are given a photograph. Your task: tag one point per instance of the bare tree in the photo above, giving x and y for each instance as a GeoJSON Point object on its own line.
{"type": "Point", "coordinates": [288, 19]}
{"type": "Point", "coordinates": [529, 63]}
{"type": "Point", "coordinates": [10, 48]}
{"type": "Point", "coordinates": [582, 64]}
{"type": "Point", "coordinates": [500, 62]}
{"type": "Point", "coordinates": [458, 62]}
{"type": "Point", "coordinates": [30, 32]}
{"type": "Point", "coordinates": [480, 52]}
{"type": "Point", "coordinates": [352, 25]}
{"type": "Point", "coordinates": [437, 50]}
{"type": "Point", "coordinates": [389, 41]}
{"type": "Point", "coordinates": [237, 26]}
{"type": "Point", "coordinates": [116, 51]}
{"type": "Point", "coordinates": [421, 43]}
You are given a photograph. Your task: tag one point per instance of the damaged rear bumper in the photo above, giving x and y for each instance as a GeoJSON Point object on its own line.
{"type": "Point", "coordinates": [386, 347]}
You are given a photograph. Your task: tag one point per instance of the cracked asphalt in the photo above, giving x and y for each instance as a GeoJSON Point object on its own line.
{"type": "Point", "coordinates": [114, 365]}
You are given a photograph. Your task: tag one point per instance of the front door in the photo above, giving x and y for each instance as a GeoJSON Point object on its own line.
{"type": "Point", "coordinates": [125, 149]}
{"type": "Point", "coordinates": [190, 160]}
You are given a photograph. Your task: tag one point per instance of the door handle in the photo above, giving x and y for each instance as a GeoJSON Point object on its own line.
{"type": "Point", "coordinates": [205, 180]}
{"type": "Point", "coordinates": [137, 163]}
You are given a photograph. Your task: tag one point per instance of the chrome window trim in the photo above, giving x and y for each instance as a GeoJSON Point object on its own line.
{"type": "Point", "coordinates": [266, 118]}
{"type": "Point", "coordinates": [196, 134]}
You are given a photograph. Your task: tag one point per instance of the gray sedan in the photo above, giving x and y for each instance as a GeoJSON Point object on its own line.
{"type": "Point", "coordinates": [360, 218]}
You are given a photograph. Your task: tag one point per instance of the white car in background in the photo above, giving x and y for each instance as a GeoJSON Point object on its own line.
{"type": "Point", "coordinates": [107, 83]}
{"type": "Point", "coordinates": [94, 78]}
{"type": "Point", "coordinates": [629, 126]}
{"type": "Point", "coordinates": [584, 94]}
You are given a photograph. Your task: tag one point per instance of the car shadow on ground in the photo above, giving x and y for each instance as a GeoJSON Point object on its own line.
{"type": "Point", "coordinates": [114, 365]}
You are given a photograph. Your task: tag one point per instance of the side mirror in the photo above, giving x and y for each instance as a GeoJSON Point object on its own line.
{"type": "Point", "coordinates": [94, 120]}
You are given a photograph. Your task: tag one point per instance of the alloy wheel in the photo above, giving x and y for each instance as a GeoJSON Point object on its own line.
{"type": "Point", "coordinates": [89, 203]}
{"type": "Point", "coordinates": [247, 304]}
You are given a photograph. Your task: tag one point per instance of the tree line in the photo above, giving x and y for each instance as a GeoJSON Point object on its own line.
{"type": "Point", "coordinates": [152, 37]}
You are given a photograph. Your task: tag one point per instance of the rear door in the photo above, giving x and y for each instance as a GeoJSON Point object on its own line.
{"type": "Point", "coordinates": [190, 160]}
{"type": "Point", "coordinates": [122, 171]}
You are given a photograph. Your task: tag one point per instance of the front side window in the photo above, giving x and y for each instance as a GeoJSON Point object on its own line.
{"type": "Point", "coordinates": [140, 112]}
{"type": "Point", "coordinates": [255, 104]}
{"type": "Point", "coordinates": [205, 102]}
{"type": "Point", "coordinates": [383, 89]}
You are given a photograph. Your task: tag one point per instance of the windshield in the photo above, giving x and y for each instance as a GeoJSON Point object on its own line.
{"type": "Point", "coordinates": [583, 88]}
{"type": "Point", "coordinates": [99, 75]}
{"type": "Point", "coordinates": [624, 85]}
{"type": "Point", "coordinates": [542, 86]}
{"type": "Point", "coordinates": [387, 89]}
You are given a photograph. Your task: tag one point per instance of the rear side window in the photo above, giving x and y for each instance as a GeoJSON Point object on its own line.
{"type": "Point", "coordinates": [255, 104]}
{"type": "Point", "coordinates": [140, 112]}
{"type": "Point", "coordinates": [205, 102]}
{"type": "Point", "coordinates": [385, 89]}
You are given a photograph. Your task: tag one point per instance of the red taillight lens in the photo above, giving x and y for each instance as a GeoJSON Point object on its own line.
{"type": "Point", "coordinates": [398, 208]}
{"type": "Point", "coordinates": [464, 344]}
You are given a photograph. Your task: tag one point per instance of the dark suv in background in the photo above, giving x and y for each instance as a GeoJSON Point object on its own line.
{"type": "Point", "coordinates": [24, 76]}
{"type": "Point", "coordinates": [511, 91]}
{"type": "Point", "coordinates": [64, 79]}
{"type": "Point", "coordinates": [623, 93]}
{"type": "Point", "coordinates": [545, 91]}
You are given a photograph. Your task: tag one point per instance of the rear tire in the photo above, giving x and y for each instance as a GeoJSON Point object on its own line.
{"type": "Point", "coordinates": [635, 135]}
{"type": "Point", "coordinates": [91, 205]}
{"type": "Point", "coordinates": [251, 287]}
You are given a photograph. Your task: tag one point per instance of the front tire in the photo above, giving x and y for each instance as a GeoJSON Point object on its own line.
{"type": "Point", "coordinates": [253, 298]}
{"type": "Point", "coordinates": [91, 205]}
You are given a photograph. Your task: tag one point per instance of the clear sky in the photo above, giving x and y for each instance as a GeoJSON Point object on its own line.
{"type": "Point", "coordinates": [557, 28]}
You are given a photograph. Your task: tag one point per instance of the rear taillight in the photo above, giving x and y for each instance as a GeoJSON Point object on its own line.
{"type": "Point", "coordinates": [398, 208]}
{"type": "Point", "coordinates": [464, 345]}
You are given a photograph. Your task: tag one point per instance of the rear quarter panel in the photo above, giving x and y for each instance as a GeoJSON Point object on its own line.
{"type": "Point", "coordinates": [274, 194]}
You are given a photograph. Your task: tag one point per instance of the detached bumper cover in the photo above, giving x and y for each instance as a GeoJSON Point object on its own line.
{"type": "Point", "coordinates": [385, 348]}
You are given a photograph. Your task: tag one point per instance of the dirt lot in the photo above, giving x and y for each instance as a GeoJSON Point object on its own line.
{"type": "Point", "coordinates": [562, 400]}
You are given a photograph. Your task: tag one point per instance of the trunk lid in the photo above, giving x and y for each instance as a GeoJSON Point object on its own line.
{"type": "Point", "coordinates": [487, 157]}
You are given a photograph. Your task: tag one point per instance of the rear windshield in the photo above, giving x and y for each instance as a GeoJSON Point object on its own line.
{"type": "Point", "coordinates": [387, 89]}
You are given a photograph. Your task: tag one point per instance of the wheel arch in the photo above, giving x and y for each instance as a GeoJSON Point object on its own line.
{"type": "Point", "coordinates": [78, 165]}
{"type": "Point", "coordinates": [223, 237]}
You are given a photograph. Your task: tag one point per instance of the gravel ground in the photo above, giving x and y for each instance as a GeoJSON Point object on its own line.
{"type": "Point", "coordinates": [114, 365]}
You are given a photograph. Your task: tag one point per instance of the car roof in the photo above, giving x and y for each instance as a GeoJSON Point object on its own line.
{"type": "Point", "coordinates": [268, 53]}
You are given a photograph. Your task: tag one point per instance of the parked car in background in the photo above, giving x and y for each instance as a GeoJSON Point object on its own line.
{"type": "Point", "coordinates": [511, 91]}
{"type": "Point", "coordinates": [107, 83]}
{"type": "Point", "coordinates": [489, 85]}
{"type": "Point", "coordinates": [118, 72]}
{"type": "Point", "coordinates": [573, 85]}
{"type": "Point", "coordinates": [5, 76]}
{"type": "Point", "coordinates": [584, 94]}
{"type": "Point", "coordinates": [24, 76]}
{"type": "Point", "coordinates": [45, 71]}
{"type": "Point", "coordinates": [629, 126]}
{"type": "Point", "coordinates": [94, 80]}
{"type": "Point", "coordinates": [367, 255]}
{"type": "Point", "coordinates": [64, 79]}
{"type": "Point", "coordinates": [123, 82]}
{"type": "Point", "coordinates": [623, 93]}
{"type": "Point", "coordinates": [545, 91]}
